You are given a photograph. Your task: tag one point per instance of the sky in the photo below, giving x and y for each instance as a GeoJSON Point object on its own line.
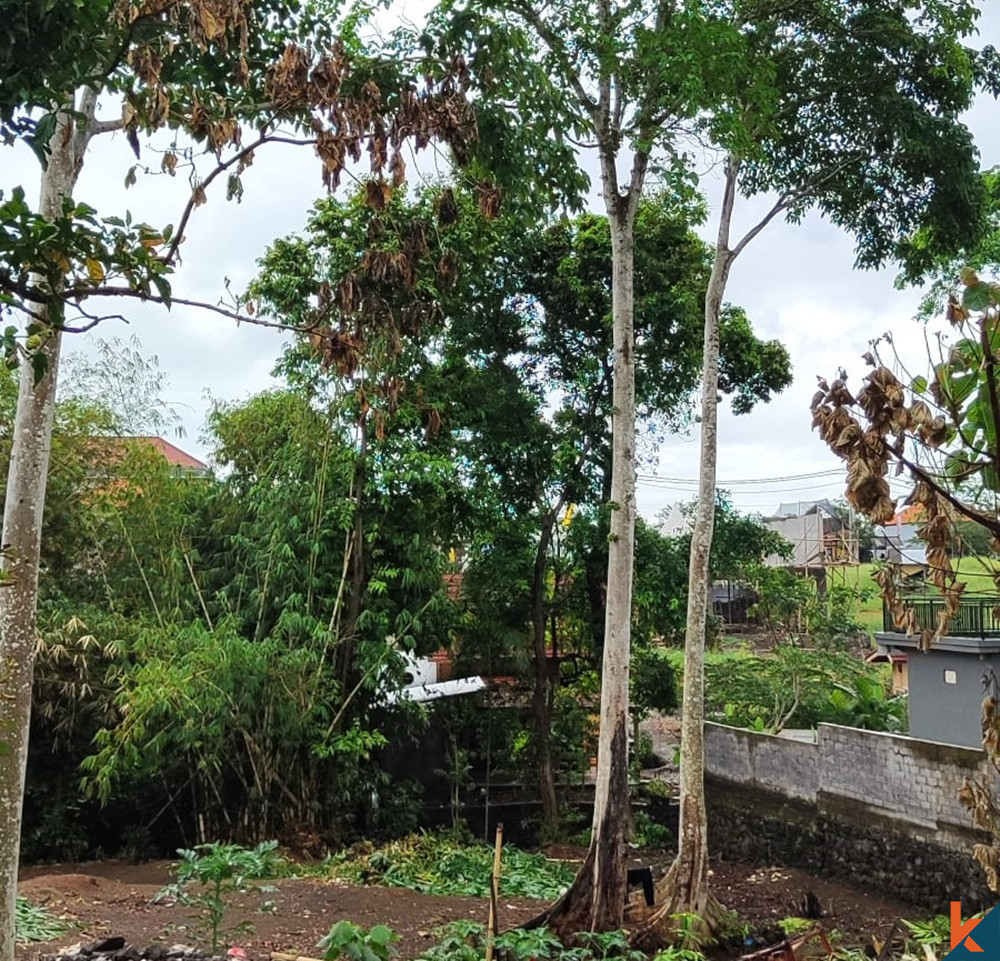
{"type": "Point", "coordinates": [797, 283]}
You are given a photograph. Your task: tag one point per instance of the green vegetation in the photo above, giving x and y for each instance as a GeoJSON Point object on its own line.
{"type": "Point", "coordinates": [795, 926]}
{"type": "Point", "coordinates": [466, 941]}
{"type": "Point", "coordinates": [221, 871]}
{"type": "Point", "coordinates": [434, 864]}
{"type": "Point", "coordinates": [934, 933]}
{"type": "Point", "coordinates": [797, 687]}
{"type": "Point", "coordinates": [35, 923]}
{"type": "Point", "coordinates": [349, 940]}
{"type": "Point", "coordinates": [792, 610]}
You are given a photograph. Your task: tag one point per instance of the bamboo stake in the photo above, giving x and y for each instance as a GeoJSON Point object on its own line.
{"type": "Point", "coordinates": [491, 927]}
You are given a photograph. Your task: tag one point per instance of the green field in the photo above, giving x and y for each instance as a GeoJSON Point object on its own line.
{"type": "Point", "coordinates": [976, 572]}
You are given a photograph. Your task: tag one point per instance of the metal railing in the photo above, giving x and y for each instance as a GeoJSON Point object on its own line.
{"type": "Point", "coordinates": [976, 616]}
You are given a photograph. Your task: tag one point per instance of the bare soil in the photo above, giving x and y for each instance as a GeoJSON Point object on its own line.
{"type": "Point", "coordinates": [101, 899]}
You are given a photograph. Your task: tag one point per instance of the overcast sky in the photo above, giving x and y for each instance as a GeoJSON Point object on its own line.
{"type": "Point", "coordinates": [796, 282]}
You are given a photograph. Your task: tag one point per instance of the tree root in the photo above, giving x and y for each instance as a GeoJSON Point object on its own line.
{"type": "Point", "coordinates": [573, 911]}
{"type": "Point", "coordinates": [685, 911]}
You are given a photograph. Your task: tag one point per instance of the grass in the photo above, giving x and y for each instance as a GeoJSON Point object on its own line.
{"type": "Point", "coordinates": [34, 923]}
{"type": "Point", "coordinates": [438, 865]}
{"type": "Point", "coordinates": [976, 572]}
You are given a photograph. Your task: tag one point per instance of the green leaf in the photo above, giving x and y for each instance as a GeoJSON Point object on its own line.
{"type": "Point", "coordinates": [39, 365]}
{"type": "Point", "coordinates": [163, 286]}
{"type": "Point", "coordinates": [977, 296]}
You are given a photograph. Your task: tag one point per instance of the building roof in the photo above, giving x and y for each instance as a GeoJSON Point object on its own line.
{"type": "Point", "coordinates": [802, 508]}
{"type": "Point", "coordinates": [885, 657]}
{"type": "Point", "coordinates": [978, 646]}
{"type": "Point", "coordinates": [913, 514]}
{"type": "Point", "coordinates": [173, 454]}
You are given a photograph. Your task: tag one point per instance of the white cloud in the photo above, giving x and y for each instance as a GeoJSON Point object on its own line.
{"type": "Point", "coordinates": [797, 283]}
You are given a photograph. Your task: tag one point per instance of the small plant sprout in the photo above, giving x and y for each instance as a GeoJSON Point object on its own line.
{"type": "Point", "coordinates": [223, 870]}
{"type": "Point", "coordinates": [348, 940]}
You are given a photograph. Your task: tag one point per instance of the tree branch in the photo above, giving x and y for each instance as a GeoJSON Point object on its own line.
{"type": "Point", "coordinates": [646, 123]}
{"type": "Point", "coordinates": [87, 107]}
{"type": "Point", "coordinates": [783, 203]}
{"type": "Point", "coordinates": [603, 120]}
{"type": "Point", "coordinates": [732, 166]}
{"type": "Point", "coordinates": [190, 206]}
{"type": "Point", "coordinates": [98, 127]}
{"type": "Point", "coordinates": [240, 318]}
{"type": "Point", "coordinates": [991, 524]}
{"type": "Point", "coordinates": [555, 44]}
{"type": "Point", "coordinates": [786, 200]}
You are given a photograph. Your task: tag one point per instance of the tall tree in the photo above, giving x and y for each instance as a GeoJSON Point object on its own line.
{"type": "Point", "coordinates": [882, 153]}
{"type": "Point", "coordinates": [571, 342]}
{"type": "Point", "coordinates": [214, 72]}
{"type": "Point", "coordinates": [851, 108]}
{"type": "Point", "coordinates": [527, 310]}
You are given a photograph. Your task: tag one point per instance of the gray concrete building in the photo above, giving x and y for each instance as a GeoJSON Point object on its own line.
{"type": "Point", "coordinates": [948, 682]}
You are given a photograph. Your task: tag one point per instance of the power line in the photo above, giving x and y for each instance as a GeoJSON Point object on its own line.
{"type": "Point", "coordinates": [739, 482]}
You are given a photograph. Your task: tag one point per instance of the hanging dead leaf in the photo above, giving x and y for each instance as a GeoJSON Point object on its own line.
{"type": "Point", "coordinates": [955, 313]}
{"type": "Point", "coordinates": [397, 168]}
{"type": "Point", "coordinates": [433, 426]}
{"type": "Point", "coordinates": [447, 207]}
{"type": "Point", "coordinates": [488, 196]}
{"type": "Point", "coordinates": [447, 271]}
{"type": "Point", "coordinates": [377, 194]}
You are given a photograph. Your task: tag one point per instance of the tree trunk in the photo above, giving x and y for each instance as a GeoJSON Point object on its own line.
{"type": "Point", "coordinates": [359, 580]}
{"type": "Point", "coordinates": [596, 899]}
{"type": "Point", "coordinates": [684, 889]}
{"type": "Point", "coordinates": [540, 696]}
{"type": "Point", "coordinates": [22, 536]}
{"type": "Point", "coordinates": [611, 799]}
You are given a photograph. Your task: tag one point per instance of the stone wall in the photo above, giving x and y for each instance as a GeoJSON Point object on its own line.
{"type": "Point", "coordinates": [789, 767]}
{"type": "Point", "coordinates": [900, 778]}
{"type": "Point", "coordinates": [890, 777]}
{"type": "Point", "coordinates": [873, 809]}
{"type": "Point", "coordinates": [750, 824]}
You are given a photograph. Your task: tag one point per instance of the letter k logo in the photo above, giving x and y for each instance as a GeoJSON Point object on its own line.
{"type": "Point", "coordinates": [959, 931]}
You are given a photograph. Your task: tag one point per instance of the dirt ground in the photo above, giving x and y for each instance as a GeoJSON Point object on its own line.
{"type": "Point", "coordinates": [102, 899]}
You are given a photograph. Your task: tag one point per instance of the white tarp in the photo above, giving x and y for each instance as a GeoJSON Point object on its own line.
{"type": "Point", "coordinates": [431, 692]}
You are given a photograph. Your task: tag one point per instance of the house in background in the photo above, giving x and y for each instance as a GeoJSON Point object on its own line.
{"type": "Point", "coordinates": [675, 522]}
{"type": "Point", "coordinates": [733, 602]}
{"type": "Point", "coordinates": [947, 683]}
{"type": "Point", "coordinates": [107, 452]}
{"type": "Point", "coordinates": [900, 669]}
{"type": "Point", "coordinates": [182, 462]}
{"type": "Point", "coordinates": [897, 542]}
{"type": "Point", "coordinates": [819, 538]}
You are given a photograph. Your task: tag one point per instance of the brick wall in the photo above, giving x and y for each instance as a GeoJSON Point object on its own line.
{"type": "Point", "coordinates": [872, 809]}
{"type": "Point", "coordinates": [894, 778]}
{"type": "Point", "coordinates": [790, 767]}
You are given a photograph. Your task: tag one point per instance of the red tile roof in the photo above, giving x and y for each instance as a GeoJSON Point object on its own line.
{"type": "Point", "coordinates": [174, 455]}
{"type": "Point", "coordinates": [913, 514]}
